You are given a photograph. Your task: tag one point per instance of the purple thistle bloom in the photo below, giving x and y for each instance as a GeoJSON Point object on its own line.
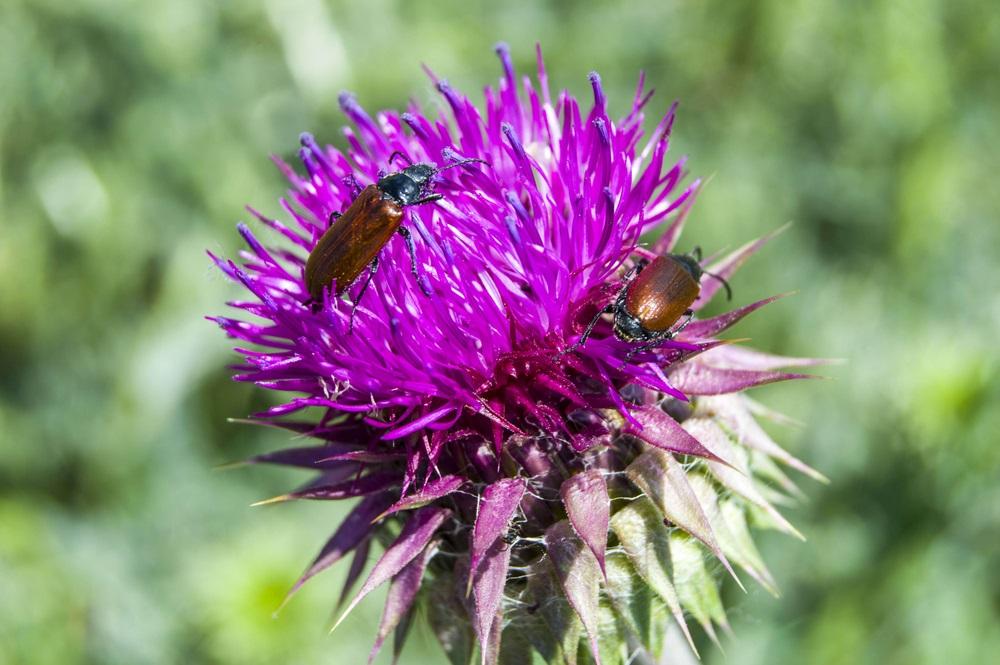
{"type": "Point", "coordinates": [458, 410]}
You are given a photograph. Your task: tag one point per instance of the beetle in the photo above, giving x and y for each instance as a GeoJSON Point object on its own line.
{"type": "Point", "coordinates": [356, 237]}
{"type": "Point", "coordinates": [654, 295]}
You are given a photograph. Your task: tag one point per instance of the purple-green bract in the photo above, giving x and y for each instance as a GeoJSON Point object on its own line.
{"type": "Point", "coordinates": [487, 457]}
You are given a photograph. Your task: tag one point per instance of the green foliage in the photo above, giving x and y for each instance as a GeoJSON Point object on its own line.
{"type": "Point", "coordinates": [132, 134]}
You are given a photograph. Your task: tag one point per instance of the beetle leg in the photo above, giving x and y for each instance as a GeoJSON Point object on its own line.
{"type": "Point", "coordinates": [656, 341]}
{"type": "Point", "coordinates": [372, 269]}
{"type": "Point", "coordinates": [634, 271]}
{"type": "Point", "coordinates": [463, 161]}
{"type": "Point", "coordinates": [688, 315]}
{"type": "Point", "coordinates": [334, 216]}
{"type": "Point", "coordinates": [405, 232]}
{"type": "Point", "coordinates": [428, 199]}
{"type": "Point", "coordinates": [669, 334]}
{"type": "Point", "coordinates": [608, 309]}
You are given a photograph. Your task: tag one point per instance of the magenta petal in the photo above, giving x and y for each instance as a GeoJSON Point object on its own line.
{"type": "Point", "coordinates": [662, 431]}
{"type": "Point", "coordinates": [309, 457]}
{"type": "Point", "coordinates": [716, 324]}
{"type": "Point", "coordinates": [491, 648]}
{"type": "Point", "coordinates": [430, 492]}
{"type": "Point", "coordinates": [402, 592]}
{"type": "Point", "coordinates": [496, 509]}
{"type": "Point", "coordinates": [588, 507]}
{"type": "Point", "coordinates": [358, 563]}
{"type": "Point", "coordinates": [355, 528]}
{"type": "Point", "coordinates": [369, 484]}
{"type": "Point", "coordinates": [487, 594]}
{"type": "Point", "coordinates": [399, 635]}
{"type": "Point", "coordinates": [412, 540]}
{"type": "Point", "coordinates": [418, 424]}
{"type": "Point", "coordinates": [698, 379]}
{"type": "Point", "coordinates": [743, 357]}
{"type": "Point", "coordinates": [579, 575]}
{"type": "Point", "coordinates": [365, 456]}
{"type": "Point", "coordinates": [668, 240]}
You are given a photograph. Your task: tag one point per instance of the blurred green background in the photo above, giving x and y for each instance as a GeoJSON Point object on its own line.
{"type": "Point", "coordinates": [132, 134]}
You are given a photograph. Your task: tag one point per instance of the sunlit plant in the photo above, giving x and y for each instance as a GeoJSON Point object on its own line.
{"type": "Point", "coordinates": [530, 489]}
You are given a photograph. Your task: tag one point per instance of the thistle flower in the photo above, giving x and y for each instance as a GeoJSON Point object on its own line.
{"type": "Point", "coordinates": [532, 494]}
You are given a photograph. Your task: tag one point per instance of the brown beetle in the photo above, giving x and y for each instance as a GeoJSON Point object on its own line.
{"type": "Point", "coordinates": [356, 237]}
{"type": "Point", "coordinates": [653, 297]}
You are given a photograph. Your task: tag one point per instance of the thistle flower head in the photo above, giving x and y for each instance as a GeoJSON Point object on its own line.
{"type": "Point", "coordinates": [538, 484]}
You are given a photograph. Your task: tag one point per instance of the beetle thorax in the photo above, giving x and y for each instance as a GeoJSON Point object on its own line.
{"type": "Point", "coordinates": [400, 188]}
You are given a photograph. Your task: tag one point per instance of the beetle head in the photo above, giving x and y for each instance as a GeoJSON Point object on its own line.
{"type": "Point", "coordinates": [689, 263]}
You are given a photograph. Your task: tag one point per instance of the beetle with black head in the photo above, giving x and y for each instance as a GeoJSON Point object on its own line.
{"type": "Point", "coordinates": [355, 238]}
{"type": "Point", "coordinates": [654, 295]}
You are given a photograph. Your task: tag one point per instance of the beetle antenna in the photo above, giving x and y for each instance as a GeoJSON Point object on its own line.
{"type": "Point", "coordinates": [399, 153]}
{"type": "Point", "coordinates": [729, 291]}
{"type": "Point", "coordinates": [463, 161]}
{"type": "Point", "coordinates": [696, 253]}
